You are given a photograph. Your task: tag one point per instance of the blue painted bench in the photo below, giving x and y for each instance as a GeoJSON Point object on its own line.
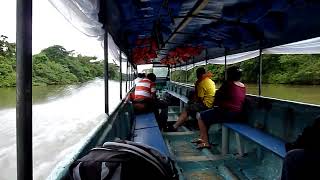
{"type": "Point", "coordinates": [176, 95]}
{"type": "Point", "coordinates": [146, 131]}
{"type": "Point", "coordinates": [265, 140]}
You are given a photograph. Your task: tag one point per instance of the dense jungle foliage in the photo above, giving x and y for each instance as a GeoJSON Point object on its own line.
{"type": "Point", "coordinates": [52, 66]}
{"type": "Point", "coordinates": [277, 69]}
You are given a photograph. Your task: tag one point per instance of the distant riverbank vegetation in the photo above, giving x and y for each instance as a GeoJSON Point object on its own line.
{"type": "Point", "coordinates": [276, 69]}
{"type": "Point", "coordinates": [52, 66]}
{"type": "Point", "coordinates": [57, 66]}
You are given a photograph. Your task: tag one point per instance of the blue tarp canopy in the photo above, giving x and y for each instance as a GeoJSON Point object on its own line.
{"type": "Point", "coordinates": [229, 26]}
{"type": "Point", "coordinates": [217, 27]}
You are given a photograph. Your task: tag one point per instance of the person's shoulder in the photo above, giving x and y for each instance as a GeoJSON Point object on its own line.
{"type": "Point", "coordinates": [240, 84]}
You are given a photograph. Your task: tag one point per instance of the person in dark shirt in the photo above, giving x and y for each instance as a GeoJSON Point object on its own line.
{"type": "Point", "coordinates": [303, 156]}
{"type": "Point", "coordinates": [228, 103]}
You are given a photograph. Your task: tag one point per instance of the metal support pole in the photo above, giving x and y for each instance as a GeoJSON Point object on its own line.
{"type": "Point", "coordinates": [193, 62]}
{"type": "Point", "coordinates": [127, 77]}
{"type": "Point", "coordinates": [186, 74]}
{"type": "Point", "coordinates": [129, 74]}
{"type": "Point", "coordinates": [260, 71]}
{"type": "Point", "coordinates": [225, 66]}
{"type": "Point", "coordinates": [181, 106]}
{"type": "Point", "coordinates": [239, 145]}
{"type": "Point", "coordinates": [206, 56]}
{"type": "Point", "coordinates": [132, 71]}
{"type": "Point", "coordinates": [225, 141]}
{"type": "Point", "coordinates": [24, 89]}
{"type": "Point", "coordinates": [106, 74]}
{"type": "Point", "coordinates": [120, 60]}
{"type": "Point", "coordinates": [181, 73]}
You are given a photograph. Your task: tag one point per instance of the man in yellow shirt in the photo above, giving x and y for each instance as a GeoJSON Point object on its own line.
{"type": "Point", "coordinates": [203, 99]}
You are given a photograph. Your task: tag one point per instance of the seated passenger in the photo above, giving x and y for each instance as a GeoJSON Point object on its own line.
{"type": "Point", "coordinates": [145, 100]}
{"type": "Point", "coordinates": [203, 99]}
{"type": "Point", "coordinates": [228, 104]}
{"type": "Point", "coordinates": [303, 159]}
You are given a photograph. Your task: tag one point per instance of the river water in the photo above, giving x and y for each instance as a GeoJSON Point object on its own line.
{"type": "Point", "coordinates": [62, 115]}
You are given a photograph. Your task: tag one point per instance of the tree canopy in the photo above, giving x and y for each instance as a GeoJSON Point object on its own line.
{"type": "Point", "coordinates": [276, 69]}
{"type": "Point", "coordinates": [52, 66]}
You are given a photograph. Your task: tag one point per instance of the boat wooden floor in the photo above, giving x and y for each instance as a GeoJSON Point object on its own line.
{"type": "Point", "coordinates": [194, 164]}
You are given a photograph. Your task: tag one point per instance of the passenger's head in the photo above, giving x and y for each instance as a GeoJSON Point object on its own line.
{"type": "Point", "coordinates": [234, 73]}
{"type": "Point", "coordinates": [141, 75]}
{"type": "Point", "coordinates": [200, 71]}
{"type": "Point", "coordinates": [152, 77]}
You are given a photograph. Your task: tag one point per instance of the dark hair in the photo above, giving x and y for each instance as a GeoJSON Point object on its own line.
{"type": "Point", "coordinates": [200, 71]}
{"type": "Point", "coordinates": [152, 77]}
{"type": "Point", "coordinates": [234, 73]}
{"type": "Point", "coordinates": [141, 75]}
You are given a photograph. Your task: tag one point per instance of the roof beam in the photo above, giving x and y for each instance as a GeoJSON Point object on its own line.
{"type": "Point", "coordinates": [200, 4]}
{"type": "Point", "coordinates": [198, 16]}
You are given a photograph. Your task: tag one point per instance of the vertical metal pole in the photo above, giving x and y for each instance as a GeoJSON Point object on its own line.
{"type": "Point", "coordinates": [120, 60]}
{"type": "Point", "coordinates": [186, 74]}
{"type": "Point", "coordinates": [130, 76]}
{"type": "Point", "coordinates": [181, 106]}
{"type": "Point", "coordinates": [127, 76]}
{"type": "Point", "coordinates": [24, 89]}
{"type": "Point", "coordinates": [106, 74]}
{"type": "Point", "coordinates": [260, 71]}
{"type": "Point", "coordinates": [225, 141]}
{"type": "Point", "coordinates": [193, 62]}
{"type": "Point", "coordinates": [206, 56]}
{"type": "Point", "coordinates": [181, 73]}
{"type": "Point", "coordinates": [239, 145]}
{"type": "Point", "coordinates": [225, 66]}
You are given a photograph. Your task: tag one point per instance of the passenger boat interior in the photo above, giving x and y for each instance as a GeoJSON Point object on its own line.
{"type": "Point", "coordinates": [185, 34]}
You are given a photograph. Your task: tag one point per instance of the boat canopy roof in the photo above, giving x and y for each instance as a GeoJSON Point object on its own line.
{"type": "Point", "coordinates": [182, 32]}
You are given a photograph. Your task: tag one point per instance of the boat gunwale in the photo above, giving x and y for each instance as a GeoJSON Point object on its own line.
{"type": "Point", "coordinates": [257, 96]}
{"type": "Point", "coordinates": [60, 171]}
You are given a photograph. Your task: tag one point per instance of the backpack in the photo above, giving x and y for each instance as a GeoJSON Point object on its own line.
{"type": "Point", "coordinates": [123, 160]}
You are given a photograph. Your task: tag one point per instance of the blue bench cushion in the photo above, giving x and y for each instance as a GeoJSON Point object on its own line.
{"type": "Point", "coordinates": [181, 97]}
{"type": "Point", "coordinates": [151, 137]}
{"type": "Point", "coordinates": [271, 143]}
{"type": "Point", "coordinates": [145, 121]}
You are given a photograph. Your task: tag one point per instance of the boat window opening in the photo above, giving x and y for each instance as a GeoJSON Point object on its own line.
{"type": "Point", "coordinates": [160, 71]}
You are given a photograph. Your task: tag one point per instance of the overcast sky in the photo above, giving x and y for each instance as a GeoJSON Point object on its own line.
{"type": "Point", "coordinates": [49, 28]}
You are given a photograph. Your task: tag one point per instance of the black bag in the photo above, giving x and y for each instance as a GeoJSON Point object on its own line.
{"type": "Point", "coordinates": [123, 160]}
